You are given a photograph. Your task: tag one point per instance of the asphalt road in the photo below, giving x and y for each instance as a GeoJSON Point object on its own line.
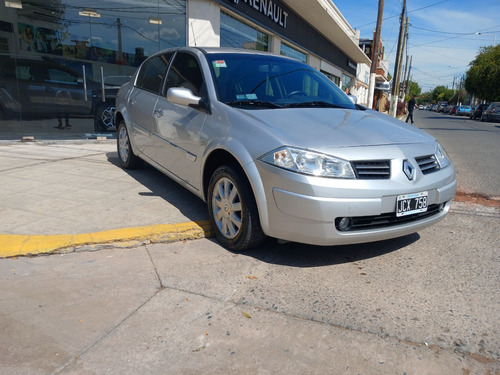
{"type": "Point", "coordinates": [474, 147]}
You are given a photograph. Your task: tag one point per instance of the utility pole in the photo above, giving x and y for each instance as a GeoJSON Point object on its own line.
{"type": "Point", "coordinates": [376, 52]}
{"type": "Point", "coordinates": [395, 79]}
{"type": "Point", "coordinates": [408, 78]}
{"type": "Point", "coordinates": [404, 75]}
{"type": "Point", "coordinates": [405, 35]}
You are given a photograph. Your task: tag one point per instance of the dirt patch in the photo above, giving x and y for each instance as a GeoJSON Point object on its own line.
{"type": "Point", "coordinates": [477, 199]}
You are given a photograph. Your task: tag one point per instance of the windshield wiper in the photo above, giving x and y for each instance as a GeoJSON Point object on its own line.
{"type": "Point", "coordinates": [257, 103]}
{"type": "Point", "coordinates": [319, 104]}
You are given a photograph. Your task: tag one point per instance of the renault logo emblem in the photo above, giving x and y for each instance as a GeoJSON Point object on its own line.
{"type": "Point", "coordinates": [409, 170]}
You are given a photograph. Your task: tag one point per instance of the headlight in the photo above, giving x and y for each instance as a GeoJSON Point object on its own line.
{"type": "Point", "coordinates": [309, 162]}
{"type": "Point", "coordinates": [441, 156]}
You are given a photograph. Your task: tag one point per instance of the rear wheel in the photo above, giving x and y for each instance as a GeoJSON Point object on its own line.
{"type": "Point", "coordinates": [128, 159]}
{"type": "Point", "coordinates": [232, 209]}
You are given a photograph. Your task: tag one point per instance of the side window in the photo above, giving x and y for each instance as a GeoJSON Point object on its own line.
{"type": "Point", "coordinates": [152, 73]}
{"type": "Point", "coordinates": [185, 72]}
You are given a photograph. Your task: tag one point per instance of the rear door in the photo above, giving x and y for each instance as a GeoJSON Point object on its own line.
{"type": "Point", "coordinates": [142, 102]}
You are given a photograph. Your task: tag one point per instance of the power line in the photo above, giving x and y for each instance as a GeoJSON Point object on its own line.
{"type": "Point", "coordinates": [398, 15]}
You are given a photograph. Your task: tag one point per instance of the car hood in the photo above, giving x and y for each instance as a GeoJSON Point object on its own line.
{"type": "Point", "coordinates": [323, 128]}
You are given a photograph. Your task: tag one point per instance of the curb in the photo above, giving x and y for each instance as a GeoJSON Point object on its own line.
{"type": "Point", "coordinates": [25, 245]}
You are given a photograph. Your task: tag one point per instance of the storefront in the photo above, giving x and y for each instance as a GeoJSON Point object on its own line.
{"type": "Point", "coordinates": [62, 61]}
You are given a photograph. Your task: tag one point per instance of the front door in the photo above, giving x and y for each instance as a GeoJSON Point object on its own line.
{"type": "Point", "coordinates": [178, 128]}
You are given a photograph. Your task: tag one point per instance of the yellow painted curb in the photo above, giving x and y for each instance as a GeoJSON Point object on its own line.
{"type": "Point", "coordinates": [18, 245]}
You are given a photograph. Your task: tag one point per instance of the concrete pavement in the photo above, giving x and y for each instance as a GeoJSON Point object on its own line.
{"type": "Point", "coordinates": [67, 195]}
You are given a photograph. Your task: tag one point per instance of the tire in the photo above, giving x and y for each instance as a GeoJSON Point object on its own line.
{"type": "Point", "coordinates": [104, 117]}
{"type": "Point", "coordinates": [128, 159]}
{"type": "Point", "coordinates": [232, 209]}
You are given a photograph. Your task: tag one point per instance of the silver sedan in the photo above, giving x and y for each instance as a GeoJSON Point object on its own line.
{"type": "Point", "coordinates": [276, 149]}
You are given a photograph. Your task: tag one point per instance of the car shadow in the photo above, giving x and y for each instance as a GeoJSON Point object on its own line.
{"type": "Point", "coordinates": [160, 185]}
{"type": "Point", "coordinates": [271, 251]}
{"type": "Point", "coordinates": [293, 254]}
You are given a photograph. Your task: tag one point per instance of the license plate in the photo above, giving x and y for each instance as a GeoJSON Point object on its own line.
{"type": "Point", "coordinates": [410, 204]}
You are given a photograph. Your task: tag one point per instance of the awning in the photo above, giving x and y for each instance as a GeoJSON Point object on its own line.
{"type": "Point", "coordinates": [324, 16]}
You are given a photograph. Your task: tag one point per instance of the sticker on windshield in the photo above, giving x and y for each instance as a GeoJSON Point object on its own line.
{"type": "Point", "coordinates": [246, 96]}
{"type": "Point", "coordinates": [219, 64]}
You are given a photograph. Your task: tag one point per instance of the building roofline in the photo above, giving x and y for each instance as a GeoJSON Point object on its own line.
{"type": "Point", "coordinates": [327, 19]}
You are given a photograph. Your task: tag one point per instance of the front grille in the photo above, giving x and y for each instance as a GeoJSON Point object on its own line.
{"type": "Point", "coordinates": [372, 170]}
{"type": "Point", "coordinates": [361, 223]}
{"type": "Point", "coordinates": [428, 164]}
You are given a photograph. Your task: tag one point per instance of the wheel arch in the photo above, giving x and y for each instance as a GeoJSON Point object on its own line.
{"type": "Point", "coordinates": [219, 157]}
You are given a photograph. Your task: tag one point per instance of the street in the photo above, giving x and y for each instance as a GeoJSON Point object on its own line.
{"type": "Point", "coordinates": [473, 147]}
{"type": "Point", "coordinates": [426, 303]}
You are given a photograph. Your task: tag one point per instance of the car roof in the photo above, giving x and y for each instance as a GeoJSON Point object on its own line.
{"type": "Point", "coordinates": [217, 50]}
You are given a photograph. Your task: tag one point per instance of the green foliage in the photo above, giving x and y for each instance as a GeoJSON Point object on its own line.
{"type": "Point", "coordinates": [415, 89]}
{"type": "Point", "coordinates": [426, 97]}
{"type": "Point", "coordinates": [483, 77]}
{"type": "Point", "coordinates": [441, 93]}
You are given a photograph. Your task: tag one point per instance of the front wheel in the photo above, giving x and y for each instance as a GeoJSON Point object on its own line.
{"type": "Point", "coordinates": [232, 210]}
{"type": "Point", "coordinates": [128, 159]}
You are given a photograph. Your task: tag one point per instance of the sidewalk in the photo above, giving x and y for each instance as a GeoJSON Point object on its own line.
{"type": "Point", "coordinates": [60, 196]}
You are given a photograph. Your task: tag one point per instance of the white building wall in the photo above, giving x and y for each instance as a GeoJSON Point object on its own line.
{"type": "Point", "coordinates": [314, 61]}
{"type": "Point", "coordinates": [275, 45]}
{"type": "Point", "coordinates": [360, 89]}
{"type": "Point", "coordinates": [203, 23]}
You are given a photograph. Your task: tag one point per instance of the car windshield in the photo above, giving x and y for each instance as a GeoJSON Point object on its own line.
{"type": "Point", "coordinates": [265, 81]}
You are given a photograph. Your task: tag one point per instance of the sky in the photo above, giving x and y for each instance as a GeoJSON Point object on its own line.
{"type": "Point", "coordinates": [442, 35]}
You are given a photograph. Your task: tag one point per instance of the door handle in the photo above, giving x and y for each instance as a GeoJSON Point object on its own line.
{"type": "Point", "coordinates": [158, 112]}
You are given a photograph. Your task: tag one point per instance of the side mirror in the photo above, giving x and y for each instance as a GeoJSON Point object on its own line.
{"type": "Point", "coordinates": [185, 97]}
{"type": "Point", "coordinates": [182, 96]}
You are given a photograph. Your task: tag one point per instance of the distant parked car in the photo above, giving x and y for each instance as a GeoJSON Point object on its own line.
{"type": "Point", "coordinates": [492, 113]}
{"type": "Point", "coordinates": [463, 110]}
{"type": "Point", "coordinates": [477, 111]}
{"type": "Point", "coordinates": [275, 148]}
{"type": "Point", "coordinates": [43, 88]}
{"type": "Point", "coordinates": [453, 110]}
{"type": "Point", "coordinates": [447, 109]}
{"type": "Point", "coordinates": [441, 106]}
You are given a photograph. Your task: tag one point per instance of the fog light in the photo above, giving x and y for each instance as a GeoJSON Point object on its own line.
{"type": "Point", "coordinates": [441, 206]}
{"type": "Point", "coordinates": [345, 224]}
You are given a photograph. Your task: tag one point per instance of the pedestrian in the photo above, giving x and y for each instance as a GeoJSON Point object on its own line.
{"type": "Point", "coordinates": [411, 106]}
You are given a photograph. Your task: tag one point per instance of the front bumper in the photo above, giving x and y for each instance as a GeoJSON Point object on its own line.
{"type": "Point", "coordinates": [304, 209]}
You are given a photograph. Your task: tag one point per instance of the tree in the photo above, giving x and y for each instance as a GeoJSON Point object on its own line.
{"type": "Point", "coordinates": [414, 89]}
{"type": "Point", "coordinates": [483, 77]}
{"type": "Point", "coordinates": [426, 97]}
{"type": "Point", "coordinates": [441, 93]}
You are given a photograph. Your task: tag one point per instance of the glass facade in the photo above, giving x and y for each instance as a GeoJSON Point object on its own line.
{"type": "Point", "coordinates": [286, 50]}
{"type": "Point", "coordinates": [62, 61]}
{"type": "Point", "coordinates": [236, 34]}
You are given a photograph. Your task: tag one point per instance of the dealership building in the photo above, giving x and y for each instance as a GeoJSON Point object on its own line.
{"type": "Point", "coordinates": [61, 61]}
